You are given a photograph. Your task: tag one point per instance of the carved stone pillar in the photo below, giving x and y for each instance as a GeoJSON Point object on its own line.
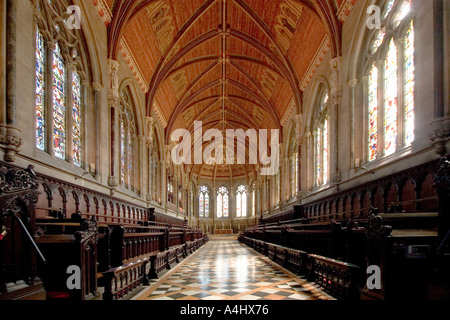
{"type": "Point", "coordinates": [97, 98]}
{"type": "Point", "coordinates": [336, 95]}
{"type": "Point", "coordinates": [352, 85]}
{"type": "Point", "coordinates": [299, 142]}
{"type": "Point", "coordinates": [10, 139]}
{"type": "Point", "coordinates": [440, 135]}
{"type": "Point", "coordinates": [149, 144]}
{"type": "Point", "coordinates": [113, 103]}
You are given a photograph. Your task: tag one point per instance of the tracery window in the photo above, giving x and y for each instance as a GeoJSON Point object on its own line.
{"type": "Point", "coordinates": [390, 84]}
{"type": "Point", "coordinates": [222, 203]}
{"type": "Point", "coordinates": [203, 202]}
{"type": "Point", "coordinates": [128, 148]}
{"type": "Point", "coordinates": [321, 139]}
{"type": "Point", "coordinates": [76, 119]}
{"type": "Point", "coordinates": [241, 202]}
{"type": "Point", "coordinates": [59, 74]}
{"type": "Point", "coordinates": [59, 104]}
{"type": "Point", "coordinates": [40, 91]}
{"type": "Point", "coordinates": [253, 199]}
{"type": "Point", "coordinates": [294, 168]}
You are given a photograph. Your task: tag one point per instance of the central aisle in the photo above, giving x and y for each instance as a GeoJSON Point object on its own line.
{"type": "Point", "coordinates": [228, 270]}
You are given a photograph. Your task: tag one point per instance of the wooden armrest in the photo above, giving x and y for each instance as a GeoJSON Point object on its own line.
{"type": "Point", "coordinates": [60, 238]}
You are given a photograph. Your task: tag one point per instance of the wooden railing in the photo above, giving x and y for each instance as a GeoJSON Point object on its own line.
{"type": "Point", "coordinates": [338, 278]}
{"type": "Point", "coordinates": [120, 281]}
{"type": "Point", "coordinates": [411, 190]}
{"type": "Point", "coordinates": [380, 240]}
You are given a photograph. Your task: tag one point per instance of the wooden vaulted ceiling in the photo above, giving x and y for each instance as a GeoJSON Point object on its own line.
{"type": "Point", "coordinates": [229, 63]}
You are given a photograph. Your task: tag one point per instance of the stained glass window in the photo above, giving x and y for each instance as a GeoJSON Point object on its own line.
{"type": "Point", "coordinates": [373, 113]}
{"type": "Point", "coordinates": [238, 205]}
{"type": "Point", "coordinates": [403, 11]}
{"type": "Point", "coordinates": [394, 111]}
{"type": "Point", "coordinates": [222, 203]}
{"type": "Point", "coordinates": [127, 145]}
{"type": "Point", "coordinates": [203, 203]}
{"type": "Point", "coordinates": [318, 157]}
{"type": "Point", "coordinates": [59, 104]}
{"type": "Point", "coordinates": [325, 151]}
{"type": "Point", "coordinates": [207, 205]}
{"type": "Point", "coordinates": [40, 91]}
{"type": "Point", "coordinates": [241, 202]}
{"type": "Point", "coordinates": [378, 41]}
{"type": "Point", "coordinates": [253, 200]}
{"type": "Point", "coordinates": [122, 152]}
{"type": "Point", "coordinates": [130, 161]}
{"type": "Point", "coordinates": [219, 205]}
{"type": "Point", "coordinates": [388, 8]}
{"type": "Point", "coordinates": [293, 181]}
{"type": "Point", "coordinates": [321, 134]}
{"type": "Point", "coordinates": [76, 118]}
{"type": "Point", "coordinates": [409, 85]}
{"type": "Point", "coordinates": [390, 100]}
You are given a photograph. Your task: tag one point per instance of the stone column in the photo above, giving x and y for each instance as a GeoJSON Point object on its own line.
{"type": "Point", "coordinates": [286, 194]}
{"type": "Point", "coordinates": [309, 169]}
{"type": "Point", "coordinates": [48, 96]}
{"type": "Point", "coordinates": [139, 173]}
{"type": "Point", "coordinates": [85, 93]}
{"type": "Point", "coordinates": [352, 85]}
{"type": "Point", "coordinates": [113, 103]}
{"type": "Point", "coordinates": [149, 143]}
{"type": "Point", "coordinates": [365, 123]}
{"type": "Point", "coordinates": [399, 43]}
{"type": "Point", "coordinates": [97, 107]}
{"type": "Point", "coordinates": [336, 95]}
{"type": "Point", "coordinates": [299, 142]}
{"type": "Point", "coordinates": [10, 140]}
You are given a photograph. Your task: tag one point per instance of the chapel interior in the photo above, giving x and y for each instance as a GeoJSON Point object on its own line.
{"type": "Point", "coordinates": [224, 149]}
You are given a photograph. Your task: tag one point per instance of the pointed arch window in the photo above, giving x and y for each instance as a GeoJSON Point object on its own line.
{"type": "Point", "coordinates": [254, 199]}
{"type": "Point", "coordinates": [58, 101]}
{"type": "Point", "coordinates": [203, 203]}
{"type": "Point", "coordinates": [40, 92]}
{"type": "Point", "coordinates": [390, 84]}
{"type": "Point", "coordinates": [241, 202]}
{"type": "Point", "coordinates": [59, 104]}
{"type": "Point", "coordinates": [76, 119]}
{"type": "Point", "coordinates": [222, 203]}
{"type": "Point", "coordinates": [294, 168]}
{"type": "Point", "coordinates": [128, 149]}
{"type": "Point", "coordinates": [321, 140]}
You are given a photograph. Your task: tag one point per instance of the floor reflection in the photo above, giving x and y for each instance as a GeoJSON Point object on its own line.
{"type": "Point", "coordinates": [228, 270]}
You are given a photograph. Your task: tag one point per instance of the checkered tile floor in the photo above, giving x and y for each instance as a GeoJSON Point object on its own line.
{"type": "Point", "coordinates": [228, 270]}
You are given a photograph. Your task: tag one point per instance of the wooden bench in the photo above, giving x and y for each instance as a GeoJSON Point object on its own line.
{"type": "Point", "coordinates": [338, 278]}
{"type": "Point", "coordinates": [63, 249]}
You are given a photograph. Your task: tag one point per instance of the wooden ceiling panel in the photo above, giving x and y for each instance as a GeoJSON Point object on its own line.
{"type": "Point", "coordinates": [307, 41]}
{"type": "Point", "coordinates": [269, 47]}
